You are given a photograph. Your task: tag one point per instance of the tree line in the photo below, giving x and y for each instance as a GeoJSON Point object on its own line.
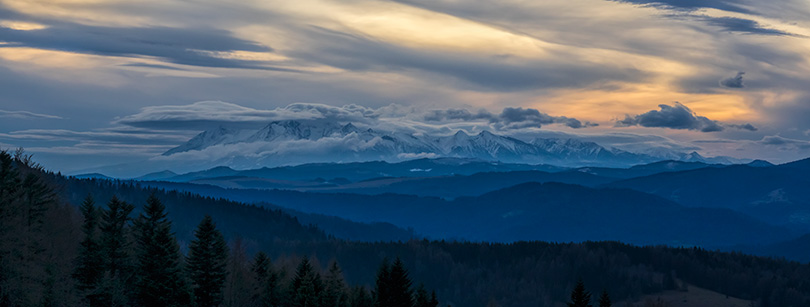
{"type": "Point", "coordinates": [118, 260]}
{"type": "Point", "coordinates": [43, 238]}
{"type": "Point", "coordinates": [125, 262]}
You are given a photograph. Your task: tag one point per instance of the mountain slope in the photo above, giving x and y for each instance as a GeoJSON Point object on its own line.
{"type": "Point", "coordinates": [531, 211]}
{"type": "Point", "coordinates": [776, 194]}
{"type": "Point", "coordinates": [301, 141]}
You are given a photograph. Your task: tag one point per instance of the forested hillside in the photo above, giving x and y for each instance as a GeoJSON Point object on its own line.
{"type": "Point", "coordinates": [56, 251]}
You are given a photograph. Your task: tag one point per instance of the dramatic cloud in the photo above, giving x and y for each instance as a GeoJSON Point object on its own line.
{"type": "Point", "coordinates": [197, 47]}
{"type": "Point", "coordinates": [209, 114]}
{"type": "Point", "coordinates": [206, 115]}
{"type": "Point", "coordinates": [509, 118]}
{"type": "Point", "coordinates": [26, 115]}
{"type": "Point", "coordinates": [733, 24]}
{"type": "Point", "coordinates": [691, 5]}
{"type": "Point", "coordinates": [734, 82]}
{"type": "Point", "coordinates": [484, 71]}
{"type": "Point", "coordinates": [677, 117]}
{"type": "Point", "coordinates": [748, 127]}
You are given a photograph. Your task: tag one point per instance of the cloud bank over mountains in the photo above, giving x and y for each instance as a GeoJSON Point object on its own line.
{"type": "Point", "coordinates": [678, 116]}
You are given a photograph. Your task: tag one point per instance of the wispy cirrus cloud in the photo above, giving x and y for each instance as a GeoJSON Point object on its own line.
{"type": "Point", "coordinates": [26, 115]}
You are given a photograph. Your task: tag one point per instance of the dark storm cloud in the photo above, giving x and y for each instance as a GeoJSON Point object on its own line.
{"type": "Point", "coordinates": [196, 47]}
{"type": "Point", "coordinates": [677, 117]}
{"type": "Point", "coordinates": [741, 25]}
{"type": "Point", "coordinates": [496, 73]}
{"type": "Point", "coordinates": [509, 118]}
{"type": "Point", "coordinates": [691, 5]}
{"type": "Point", "coordinates": [734, 82]}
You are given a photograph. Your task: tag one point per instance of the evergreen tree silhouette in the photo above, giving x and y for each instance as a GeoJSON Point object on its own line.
{"type": "Point", "coordinates": [393, 286]}
{"type": "Point", "coordinates": [335, 292]}
{"type": "Point", "coordinates": [306, 287]}
{"type": "Point", "coordinates": [115, 246]}
{"type": "Point", "coordinates": [579, 296]}
{"type": "Point", "coordinates": [207, 260]}
{"type": "Point", "coordinates": [159, 276]}
{"type": "Point", "coordinates": [266, 282]}
{"type": "Point", "coordinates": [604, 299]}
{"type": "Point", "coordinates": [89, 268]}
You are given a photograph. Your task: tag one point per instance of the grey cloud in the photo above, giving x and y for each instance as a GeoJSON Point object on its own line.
{"type": "Point", "coordinates": [741, 25]}
{"type": "Point", "coordinates": [734, 82]}
{"type": "Point", "coordinates": [677, 117]}
{"type": "Point", "coordinates": [152, 66]}
{"type": "Point", "coordinates": [107, 137]}
{"type": "Point", "coordinates": [493, 73]}
{"type": "Point", "coordinates": [26, 115]}
{"type": "Point", "coordinates": [509, 118]}
{"type": "Point", "coordinates": [748, 127]}
{"type": "Point", "coordinates": [783, 143]}
{"type": "Point", "coordinates": [196, 47]}
{"type": "Point", "coordinates": [673, 117]}
{"type": "Point", "coordinates": [207, 114]}
{"type": "Point", "coordinates": [691, 5]}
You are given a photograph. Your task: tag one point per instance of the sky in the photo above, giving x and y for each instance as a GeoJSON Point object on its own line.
{"type": "Point", "coordinates": [85, 83]}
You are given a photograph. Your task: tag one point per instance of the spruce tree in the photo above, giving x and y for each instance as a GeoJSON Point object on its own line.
{"type": "Point", "coordinates": [382, 286]}
{"type": "Point", "coordinates": [421, 297]}
{"type": "Point", "coordinates": [434, 301]}
{"type": "Point", "coordinates": [306, 287]}
{"type": "Point", "coordinates": [335, 291]}
{"type": "Point", "coordinates": [394, 286]}
{"type": "Point", "coordinates": [90, 261]}
{"type": "Point", "coordinates": [115, 247]}
{"type": "Point", "coordinates": [359, 297]}
{"type": "Point", "coordinates": [114, 233]}
{"type": "Point", "coordinates": [266, 289]}
{"type": "Point", "coordinates": [579, 296]}
{"type": "Point", "coordinates": [207, 260]}
{"type": "Point", "coordinates": [159, 276]}
{"type": "Point", "coordinates": [604, 299]}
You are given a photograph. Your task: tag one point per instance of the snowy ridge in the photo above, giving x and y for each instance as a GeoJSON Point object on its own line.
{"type": "Point", "coordinates": [295, 141]}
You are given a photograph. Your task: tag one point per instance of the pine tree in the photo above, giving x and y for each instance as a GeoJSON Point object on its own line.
{"type": "Point", "coordinates": [360, 298]}
{"type": "Point", "coordinates": [266, 287]}
{"type": "Point", "coordinates": [159, 276]}
{"type": "Point", "coordinates": [306, 287]}
{"type": "Point", "coordinates": [393, 286]}
{"type": "Point", "coordinates": [335, 291]}
{"type": "Point", "coordinates": [579, 296]}
{"type": "Point", "coordinates": [604, 299]}
{"type": "Point", "coordinates": [382, 286]}
{"type": "Point", "coordinates": [115, 246]}
{"type": "Point", "coordinates": [207, 260]}
{"type": "Point", "coordinates": [114, 228]}
{"type": "Point", "coordinates": [90, 261]}
{"type": "Point", "coordinates": [434, 301]}
{"type": "Point", "coordinates": [421, 297]}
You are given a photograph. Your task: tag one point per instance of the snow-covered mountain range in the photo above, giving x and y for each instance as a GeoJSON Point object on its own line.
{"type": "Point", "coordinates": [305, 141]}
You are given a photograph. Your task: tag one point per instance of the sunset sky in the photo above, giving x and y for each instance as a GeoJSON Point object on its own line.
{"type": "Point", "coordinates": [89, 82]}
